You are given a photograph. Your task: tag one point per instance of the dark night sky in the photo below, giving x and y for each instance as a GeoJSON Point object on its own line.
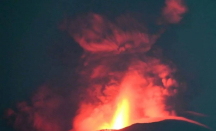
{"type": "Point", "coordinates": [28, 28]}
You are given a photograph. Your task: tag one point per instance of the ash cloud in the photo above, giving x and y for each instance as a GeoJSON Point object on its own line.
{"type": "Point", "coordinates": [117, 53]}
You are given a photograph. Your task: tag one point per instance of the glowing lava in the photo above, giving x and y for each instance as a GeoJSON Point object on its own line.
{"type": "Point", "coordinates": [121, 117]}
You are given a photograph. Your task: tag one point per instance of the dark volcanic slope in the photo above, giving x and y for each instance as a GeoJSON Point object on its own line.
{"type": "Point", "coordinates": [167, 125]}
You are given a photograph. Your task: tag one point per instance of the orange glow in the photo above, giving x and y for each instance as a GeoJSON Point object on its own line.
{"type": "Point", "coordinates": [121, 117]}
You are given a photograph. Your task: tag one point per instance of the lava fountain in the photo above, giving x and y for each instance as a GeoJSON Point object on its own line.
{"type": "Point", "coordinates": [120, 119]}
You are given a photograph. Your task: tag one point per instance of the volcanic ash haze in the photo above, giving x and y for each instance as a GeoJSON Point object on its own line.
{"type": "Point", "coordinates": [123, 78]}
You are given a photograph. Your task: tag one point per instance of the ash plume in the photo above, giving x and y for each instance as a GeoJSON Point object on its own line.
{"type": "Point", "coordinates": [119, 61]}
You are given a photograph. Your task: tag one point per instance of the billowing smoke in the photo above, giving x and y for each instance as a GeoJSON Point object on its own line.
{"type": "Point", "coordinates": [120, 64]}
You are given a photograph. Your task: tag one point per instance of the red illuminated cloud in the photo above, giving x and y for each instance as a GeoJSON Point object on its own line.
{"type": "Point", "coordinates": [174, 10]}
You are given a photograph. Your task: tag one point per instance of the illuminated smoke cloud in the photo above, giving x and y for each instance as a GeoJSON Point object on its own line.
{"type": "Point", "coordinates": [174, 10]}
{"type": "Point", "coordinates": [97, 34]}
{"type": "Point", "coordinates": [119, 64]}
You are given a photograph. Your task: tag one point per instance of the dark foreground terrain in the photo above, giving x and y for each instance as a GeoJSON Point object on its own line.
{"type": "Point", "coordinates": [166, 125]}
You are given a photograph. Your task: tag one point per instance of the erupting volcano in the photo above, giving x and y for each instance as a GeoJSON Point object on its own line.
{"type": "Point", "coordinates": [126, 80]}
{"type": "Point", "coordinates": [123, 77]}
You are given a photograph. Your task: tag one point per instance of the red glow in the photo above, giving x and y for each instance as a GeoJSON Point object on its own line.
{"type": "Point", "coordinates": [138, 100]}
{"type": "Point", "coordinates": [124, 80]}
